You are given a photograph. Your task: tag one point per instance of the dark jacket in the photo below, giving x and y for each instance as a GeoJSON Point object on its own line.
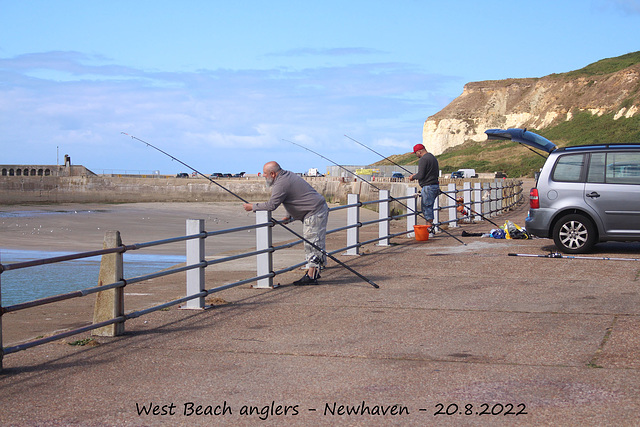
{"type": "Point", "coordinates": [428, 170]}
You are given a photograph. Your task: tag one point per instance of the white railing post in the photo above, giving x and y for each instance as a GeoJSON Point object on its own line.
{"type": "Point", "coordinates": [264, 238]}
{"type": "Point", "coordinates": [353, 218]}
{"type": "Point", "coordinates": [383, 210]}
{"type": "Point", "coordinates": [486, 200]}
{"type": "Point", "coordinates": [493, 204]}
{"type": "Point", "coordinates": [453, 217]}
{"type": "Point", "coordinates": [412, 207]}
{"type": "Point", "coordinates": [195, 255]}
{"type": "Point", "coordinates": [466, 194]}
{"type": "Point", "coordinates": [511, 190]}
{"type": "Point", "coordinates": [436, 210]}
{"type": "Point", "coordinates": [477, 200]}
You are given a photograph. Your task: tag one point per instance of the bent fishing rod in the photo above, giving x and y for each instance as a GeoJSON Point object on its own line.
{"type": "Point", "coordinates": [407, 171]}
{"type": "Point", "coordinates": [245, 201]}
{"type": "Point", "coordinates": [559, 255]}
{"type": "Point", "coordinates": [374, 186]}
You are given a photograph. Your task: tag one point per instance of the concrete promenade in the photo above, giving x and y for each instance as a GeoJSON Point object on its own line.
{"type": "Point", "coordinates": [456, 335]}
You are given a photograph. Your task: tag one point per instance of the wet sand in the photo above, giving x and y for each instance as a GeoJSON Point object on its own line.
{"type": "Point", "coordinates": [81, 227]}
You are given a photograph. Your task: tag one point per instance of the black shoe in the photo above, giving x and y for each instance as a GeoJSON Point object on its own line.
{"type": "Point", "coordinates": [306, 280]}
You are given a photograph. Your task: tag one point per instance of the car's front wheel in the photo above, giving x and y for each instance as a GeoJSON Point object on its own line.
{"type": "Point", "coordinates": [574, 234]}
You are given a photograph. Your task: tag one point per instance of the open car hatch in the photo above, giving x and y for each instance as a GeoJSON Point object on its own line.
{"type": "Point", "coordinates": [522, 136]}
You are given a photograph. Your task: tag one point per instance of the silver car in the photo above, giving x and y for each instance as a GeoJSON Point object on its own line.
{"type": "Point", "coordinates": [584, 194]}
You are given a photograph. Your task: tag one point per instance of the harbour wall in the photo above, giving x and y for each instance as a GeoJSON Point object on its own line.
{"type": "Point", "coordinates": [20, 190]}
{"type": "Point", "coordinates": [100, 189]}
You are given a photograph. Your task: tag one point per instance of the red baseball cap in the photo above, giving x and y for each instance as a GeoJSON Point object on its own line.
{"type": "Point", "coordinates": [418, 147]}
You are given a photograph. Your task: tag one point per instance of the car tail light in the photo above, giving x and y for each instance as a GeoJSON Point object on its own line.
{"type": "Point", "coordinates": [534, 202]}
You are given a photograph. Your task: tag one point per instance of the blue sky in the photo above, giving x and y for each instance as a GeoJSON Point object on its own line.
{"type": "Point", "coordinates": [221, 85]}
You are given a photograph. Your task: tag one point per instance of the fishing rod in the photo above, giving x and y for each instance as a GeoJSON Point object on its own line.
{"type": "Point", "coordinates": [559, 255]}
{"type": "Point", "coordinates": [245, 201]}
{"type": "Point", "coordinates": [407, 171]}
{"type": "Point", "coordinates": [374, 186]}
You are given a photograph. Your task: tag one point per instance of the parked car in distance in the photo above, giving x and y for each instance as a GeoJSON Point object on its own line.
{"type": "Point", "coordinates": [584, 194]}
{"type": "Point", "coordinates": [397, 175]}
{"type": "Point", "coordinates": [457, 175]}
{"type": "Point", "coordinates": [239, 175]}
{"type": "Point", "coordinates": [216, 175]}
{"type": "Point", "coordinates": [182, 175]}
{"type": "Point", "coordinates": [500, 175]}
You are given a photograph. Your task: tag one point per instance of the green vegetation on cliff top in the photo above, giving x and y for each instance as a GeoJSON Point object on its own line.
{"type": "Point", "coordinates": [605, 66]}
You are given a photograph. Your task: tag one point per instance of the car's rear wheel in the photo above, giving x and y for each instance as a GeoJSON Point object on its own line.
{"type": "Point", "coordinates": [574, 234]}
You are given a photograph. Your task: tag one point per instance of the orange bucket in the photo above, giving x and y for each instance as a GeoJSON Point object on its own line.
{"type": "Point", "coordinates": [421, 232]}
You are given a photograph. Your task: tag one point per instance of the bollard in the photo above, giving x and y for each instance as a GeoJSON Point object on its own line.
{"type": "Point", "coordinates": [110, 303]}
{"type": "Point", "coordinates": [195, 255]}
{"type": "Point", "coordinates": [353, 218]}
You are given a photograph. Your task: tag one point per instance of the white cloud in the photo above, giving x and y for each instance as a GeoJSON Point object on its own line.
{"type": "Point", "coordinates": [82, 103]}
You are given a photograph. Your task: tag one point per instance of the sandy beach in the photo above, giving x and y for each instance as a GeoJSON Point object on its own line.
{"type": "Point", "coordinates": [81, 227]}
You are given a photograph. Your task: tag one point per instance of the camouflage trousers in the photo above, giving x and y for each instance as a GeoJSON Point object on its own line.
{"type": "Point", "coordinates": [314, 229]}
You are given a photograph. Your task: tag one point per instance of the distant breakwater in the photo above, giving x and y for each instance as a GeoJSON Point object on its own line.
{"type": "Point", "coordinates": [113, 189]}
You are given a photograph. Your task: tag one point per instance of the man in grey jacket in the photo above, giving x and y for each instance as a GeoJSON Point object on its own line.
{"type": "Point", "coordinates": [302, 203]}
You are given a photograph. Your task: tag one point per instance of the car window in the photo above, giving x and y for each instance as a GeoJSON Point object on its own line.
{"type": "Point", "coordinates": [623, 168]}
{"type": "Point", "coordinates": [569, 168]}
{"type": "Point", "coordinates": [597, 167]}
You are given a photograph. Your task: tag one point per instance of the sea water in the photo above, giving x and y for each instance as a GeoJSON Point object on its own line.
{"type": "Point", "coordinates": [42, 281]}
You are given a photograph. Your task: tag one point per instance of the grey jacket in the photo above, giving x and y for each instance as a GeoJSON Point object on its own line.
{"type": "Point", "coordinates": [295, 194]}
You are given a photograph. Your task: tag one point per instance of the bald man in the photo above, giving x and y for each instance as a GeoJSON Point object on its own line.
{"type": "Point", "coordinates": [302, 203]}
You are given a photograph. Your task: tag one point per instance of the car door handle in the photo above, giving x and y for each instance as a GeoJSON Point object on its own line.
{"type": "Point", "coordinates": [593, 195]}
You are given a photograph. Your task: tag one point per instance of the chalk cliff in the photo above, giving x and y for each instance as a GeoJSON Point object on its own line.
{"type": "Point", "coordinates": [534, 103]}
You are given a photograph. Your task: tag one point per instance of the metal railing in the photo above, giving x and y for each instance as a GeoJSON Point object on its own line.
{"type": "Point", "coordinates": [486, 199]}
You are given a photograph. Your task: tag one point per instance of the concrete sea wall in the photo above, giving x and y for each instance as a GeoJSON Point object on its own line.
{"type": "Point", "coordinates": [100, 189]}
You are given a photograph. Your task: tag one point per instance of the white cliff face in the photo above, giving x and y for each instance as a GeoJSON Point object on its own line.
{"type": "Point", "coordinates": [532, 103]}
{"type": "Point", "coordinates": [438, 135]}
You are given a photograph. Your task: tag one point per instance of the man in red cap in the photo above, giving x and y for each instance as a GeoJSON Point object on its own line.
{"type": "Point", "coordinates": [427, 176]}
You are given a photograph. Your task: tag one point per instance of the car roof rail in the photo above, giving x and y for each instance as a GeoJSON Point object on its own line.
{"type": "Point", "coordinates": [601, 146]}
